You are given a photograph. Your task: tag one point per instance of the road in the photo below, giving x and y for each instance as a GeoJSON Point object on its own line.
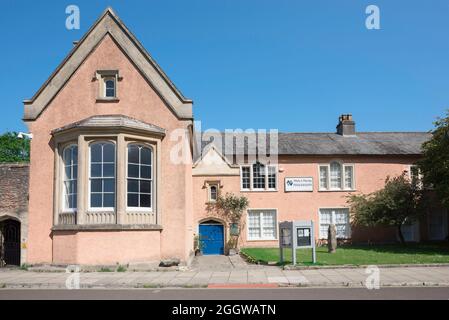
{"type": "Point", "coordinates": [433, 293]}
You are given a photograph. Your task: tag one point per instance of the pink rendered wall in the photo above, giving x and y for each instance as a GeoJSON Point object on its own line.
{"type": "Point", "coordinates": [106, 247]}
{"type": "Point", "coordinates": [370, 174]}
{"type": "Point", "coordinates": [77, 101]}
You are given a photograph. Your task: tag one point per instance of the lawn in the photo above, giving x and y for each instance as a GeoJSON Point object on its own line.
{"type": "Point", "coordinates": [358, 255]}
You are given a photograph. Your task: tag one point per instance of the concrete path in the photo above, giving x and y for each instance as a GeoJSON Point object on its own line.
{"type": "Point", "coordinates": [234, 277]}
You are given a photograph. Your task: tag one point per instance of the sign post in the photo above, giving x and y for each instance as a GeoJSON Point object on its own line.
{"type": "Point", "coordinates": [296, 235]}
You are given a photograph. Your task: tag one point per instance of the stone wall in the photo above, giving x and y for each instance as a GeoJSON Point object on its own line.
{"type": "Point", "coordinates": [14, 179]}
{"type": "Point", "coordinates": [14, 188]}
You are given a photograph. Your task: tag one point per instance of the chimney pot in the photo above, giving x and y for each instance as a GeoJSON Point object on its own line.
{"type": "Point", "coordinates": [346, 125]}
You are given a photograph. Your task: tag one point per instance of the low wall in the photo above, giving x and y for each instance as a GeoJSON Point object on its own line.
{"type": "Point", "coordinates": [106, 247]}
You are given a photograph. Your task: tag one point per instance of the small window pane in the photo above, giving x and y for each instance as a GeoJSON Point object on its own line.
{"type": "Point", "coordinates": [95, 170]}
{"type": "Point", "coordinates": [68, 156]}
{"type": "Point", "coordinates": [110, 88]}
{"type": "Point", "coordinates": [108, 152]}
{"type": "Point", "coordinates": [109, 200]}
{"type": "Point", "coordinates": [95, 152]}
{"type": "Point", "coordinates": [245, 177]}
{"type": "Point", "coordinates": [133, 185]}
{"type": "Point", "coordinates": [145, 186]}
{"type": "Point", "coordinates": [75, 155]}
{"type": "Point", "coordinates": [68, 172]}
{"type": "Point", "coordinates": [108, 170]}
{"type": "Point", "coordinates": [133, 200]}
{"type": "Point", "coordinates": [145, 200]}
{"type": "Point", "coordinates": [95, 185]}
{"type": "Point", "coordinates": [133, 154]}
{"type": "Point", "coordinates": [109, 185]}
{"type": "Point", "coordinates": [95, 200]}
{"type": "Point", "coordinates": [145, 172]}
{"type": "Point", "coordinates": [75, 172]}
{"type": "Point", "coordinates": [133, 171]}
{"type": "Point", "coordinates": [145, 156]}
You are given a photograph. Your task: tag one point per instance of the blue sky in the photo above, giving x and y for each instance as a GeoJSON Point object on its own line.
{"type": "Point", "coordinates": [285, 64]}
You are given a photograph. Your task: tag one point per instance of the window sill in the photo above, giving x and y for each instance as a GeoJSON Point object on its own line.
{"type": "Point", "coordinates": [107, 100]}
{"type": "Point", "coordinates": [258, 190]}
{"type": "Point", "coordinates": [259, 240]}
{"type": "Point", "coordinates": [337, 190]}
{"type": "Point", "coordinates": [111, 227]}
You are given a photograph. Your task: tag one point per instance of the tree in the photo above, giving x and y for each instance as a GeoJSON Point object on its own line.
{"type": "Point", "coordinates": [13, 149]}
{"type": "Point", "coordinates": [434, 166]}
{"type": "Point", "coordinates": [399, 202]}
{"type": "Point", "coordinates": [230, 207]}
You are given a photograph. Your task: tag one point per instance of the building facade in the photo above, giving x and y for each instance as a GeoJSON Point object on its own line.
{"type": "Point", "coordinates": [119, 175]}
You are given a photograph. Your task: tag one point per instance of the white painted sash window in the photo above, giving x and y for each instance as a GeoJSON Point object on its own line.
{"type": "Point", "coordinates": [336, 176]}
{"type": "Point", "coordinates": [102, 175]}
{"type": "Point", "coordinates": [262, 225]}
{"type": "Point", "coordinates": [339, 217]}
{"type": "Point", "coordinates": [70, 183]}
{"type": "Point", "coordinates": [258, 177]}
{"type": "Point", "coordinates": [139, 177]}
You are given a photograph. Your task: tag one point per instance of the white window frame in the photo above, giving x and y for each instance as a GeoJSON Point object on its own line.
{"type": "Point", "coordinates": [63, 193]}
{"type": "Point", "coordinates": [333, 209]}
{"type": "Point", "coordinates": [251, 176]}
{"type": "Point", "coordinates": [102, 209]}
{"type": "Point", "coordinates": [261, 211]}
{"type": "Point", "coordinates": [140, 209]}
{"type": "Point", "coordinates": [343, 174]}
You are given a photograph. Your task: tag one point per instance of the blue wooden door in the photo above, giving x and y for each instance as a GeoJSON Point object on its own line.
{"type": "Point", "coordinates": [212, 238]}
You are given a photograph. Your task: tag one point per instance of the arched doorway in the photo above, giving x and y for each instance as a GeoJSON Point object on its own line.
{"type": "Point", "coordinates": [212, 238]}
{"type": "Point", "coordinates": [10, 242]}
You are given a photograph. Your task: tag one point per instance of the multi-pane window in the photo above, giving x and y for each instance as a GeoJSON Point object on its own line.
{"type": "Point", "coordinates": [246, 177]}
{"type": "Point", "coordinates": [140, 177]}
{"type": "Point", "coordinates": [324, 172]}
{"type": "Point", "coordinates": [70, 158]}
{"type": "Point", "coordinates": [109, 87]}
{"type": "Point", "coordinates": [271, 177]}
{"type": "Point", "coordinates": [336, 176]}
{"type": "Point", "coordinates": [338, 217]}
{"type": "Point", "coordinates": [262, 225]}
{"type": "Point", "coordinates": [102, 175]}
{"type": "Point", "coordinates": [258, 177]}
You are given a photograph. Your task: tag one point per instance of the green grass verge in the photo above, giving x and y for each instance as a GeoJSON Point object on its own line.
{"type": "Point", "coordinates": [357, 255]}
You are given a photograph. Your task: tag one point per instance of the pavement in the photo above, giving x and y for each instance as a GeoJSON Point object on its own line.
{"type": "Point", "coordinates": [228, 272]}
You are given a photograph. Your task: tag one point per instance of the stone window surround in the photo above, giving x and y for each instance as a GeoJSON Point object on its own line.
{"type": "Point", "coordinates": [208, 184]}
{"type": "Point", "coordinates": [121, 215]}
{"type": "Point", "coordinates": [102, 76]}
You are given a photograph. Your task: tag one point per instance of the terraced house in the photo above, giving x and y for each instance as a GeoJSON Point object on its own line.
{"type": "Point", "coordinates": [105, 186]}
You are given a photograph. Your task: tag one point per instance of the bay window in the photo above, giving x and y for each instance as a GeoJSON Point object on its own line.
{"type": "Point", "coordinates": [102, 175]}
{"type": "Point", "coordinates": [258, 177]}
{"type": "Point", "coordinates": [336, 176]}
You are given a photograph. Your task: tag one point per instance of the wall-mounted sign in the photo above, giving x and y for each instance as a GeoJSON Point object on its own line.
{"type": "Point", "coordinates": [234, 229]}
{"type": "Point", "coordinates": [298, 184]}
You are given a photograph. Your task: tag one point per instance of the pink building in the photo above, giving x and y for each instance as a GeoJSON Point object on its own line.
{"type": "Point", "coordinates": [118, 174]}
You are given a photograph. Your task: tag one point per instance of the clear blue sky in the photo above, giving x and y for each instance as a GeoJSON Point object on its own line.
{"type": "Point", "coordinates": [285, 64]}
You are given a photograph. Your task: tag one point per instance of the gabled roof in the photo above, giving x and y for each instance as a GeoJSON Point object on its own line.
{"type": "Point", "coordinates": [109, 24]}
{"type": "Point", "coordinates": [112, 121]}
{"type": "Point", "coordinates": [363, 143]}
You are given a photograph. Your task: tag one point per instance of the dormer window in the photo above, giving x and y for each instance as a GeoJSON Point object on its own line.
{"type": "Point", "coordinates": [107, 85]}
